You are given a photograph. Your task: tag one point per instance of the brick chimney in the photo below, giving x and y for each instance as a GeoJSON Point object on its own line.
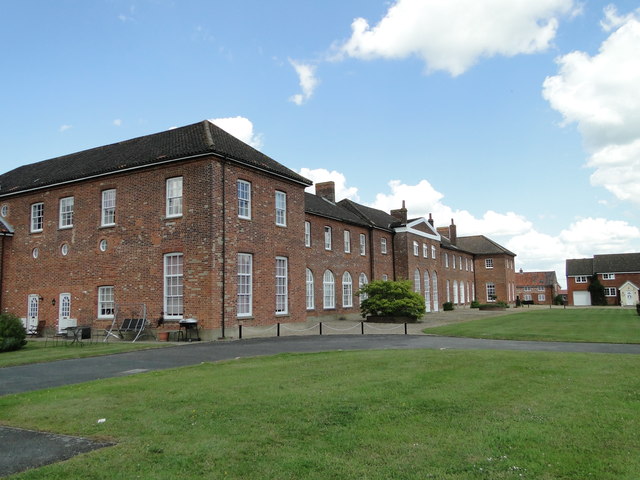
{"type": "Point", "coordinates": [430, 220]}
{"type": "Point", "coordinates": [400, 214]}
{"type": "Point", "coordinates": [326, 190]}
{"type": "Point", "coordinates": [453, 233]}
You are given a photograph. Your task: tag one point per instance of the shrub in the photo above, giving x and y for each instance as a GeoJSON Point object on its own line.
{"type": "Point", "coordinates": [394, 299]}
{"type": "Point", "coordinates": [475, 304]}
{"type": "Point", "coordinates": [596, 289]}
{"type": "Point", "coordinates": [447, 306]}
{"type": "Point", "coordinates": [12, 333]}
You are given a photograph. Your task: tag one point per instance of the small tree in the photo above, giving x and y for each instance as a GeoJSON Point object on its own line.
{"type": "Point", "coordinates": [12, 333]}
{"type": "Point", "coordinates": [394, 299]}
{"type": "Point", "coordinates": [597, 292]}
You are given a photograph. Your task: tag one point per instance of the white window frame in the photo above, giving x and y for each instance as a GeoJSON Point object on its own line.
{"type": "Point", "coordinates": [527, 297]}
{"type": "Point", "coordinates": [106, 301]}
{"type": "Point", "coordinates": [383, 246]}
{"type": "Point", "coordinates": [347, 241]}
{"type": "Point", "coordinates": [416, 281]}
{"type": "Point", "coordinates": [328, 290]}
{"type": "Point", "coordinates": [327, 238]}
{"type": "Point", "coordinates": [174, 197]}
{"type": "Point", "coordinates": [362, 281]}
{"type": "Point", "coordinates": [541, 288]}
{"type": "Point", "coordinates": [610, 292]}
{"type": "Point", "coordinates": [455, 293]}
{"type": "Point", "coordinates": [527, 289]}
{"type": "Point", "coordinates": [608, 276]}
{"type": "Point", "coordinates": [37, 217]}
{"type": "Point", "coordinates": [244, 199]}
{"type": "Point", "coordinates": [363, 244]}
{"type": "Point", "coordinates": [307, 234]}
{"type": "Point", "coordinates": [425, 250]}
{"type": "Point", "coordinates": [310, 292]}
{"type": "Point", "coordinates": [65, 217]}
{"type": "Point", "coordinates": [244, 303]}
{"type": "Point", "coordinates": [433, 252]}
{"type": "Point", "coordinates": [282, 285]}
{"type": "Point", "coordinates": [347, 290]}
{"type": "Point", "coordinates": [281, 208]}
{"type": "Point", "coordinates": [581, 279]}
{"type": "Point", "coordinates": [460, 262]}
{"type": "Point", "coordinates": [541, 297]}
{"type": "Point", "coordinates": [491, 291]}
{"type": "Point", "coordinates": [446, 261]}
{"type": "Point", "coordinates": [108, 208]}
{"type": "Point", "coordinates": [173, 286]}
{"type": "Point", "coordinates": [453, 261]}
{"type": "Point", "coordinates": [416, 249]}
{"type": "Point", "coordinates": [488, 263]}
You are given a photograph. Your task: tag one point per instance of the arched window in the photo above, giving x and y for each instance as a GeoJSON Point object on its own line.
{"type": "Point", "coordinates": [362, 281]}
{"type": "Point", "coordinates": [329, 290]}
{"type": "Point", "coordinates": [462, 296]}
{"type": "Point", "coordinates": [427, 293]}
{"type": "Point", "coordinates": [347, 290]}
{"type": "Point", "coordinates": [310, 293]}
{"type": "Point", "coordinates": [455, 291]}
{"type": "Point", "coordinates": [416, 281]}
{"type": "Point", "coordinates": [434, 287]}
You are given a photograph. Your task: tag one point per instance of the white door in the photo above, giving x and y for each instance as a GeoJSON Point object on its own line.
{"type": "Point", "coordinates": [64, 312]}
{"type": "Point", "coordinates": [629, 298]}
{"type": "Point", "coordinates": [32, 312]}
{"type": "Point", "coordinates": [581, 299]}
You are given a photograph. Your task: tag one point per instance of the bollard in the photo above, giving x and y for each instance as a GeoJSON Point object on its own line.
{"type": "Point", "coordinates": [405, 326]}
{"type": "Point", "coordinates": [320, 327]}
{"type": "Point", "coordinates": [361, 328]}
{"type": "Point", "coordinates": [278, 330]}
{"type": "Point", "coordinates": [240, 332]}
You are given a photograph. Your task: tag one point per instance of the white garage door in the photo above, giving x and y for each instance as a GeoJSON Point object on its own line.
{"type": "Point", "coordinates": [581, 299]}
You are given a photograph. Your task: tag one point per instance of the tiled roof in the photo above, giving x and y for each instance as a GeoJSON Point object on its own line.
{"type": "Point", "coordinates": [192, 140]}
{"type": "Point", "coordinates": [616, 263]}
{"type": "Point", "coordinates": [536, 278]}
{"type": "Point", "coordinates": [481, 245]}
{"type": "Point", "coordinates": [373, 216]}
{"type": "Point", "coordinates": [317, 205]}
{"type": "Point", "coordinates": [579, 266]}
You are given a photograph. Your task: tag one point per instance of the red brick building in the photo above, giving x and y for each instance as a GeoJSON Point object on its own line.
{"type": "Point", "coordinates": [618, 273]}
{"type": "Point", "coordinates": [171, 221]}
{"type": "Point", "coordinates": [194, 224]}
{"type": "Point", "coordinates": [539, 288]}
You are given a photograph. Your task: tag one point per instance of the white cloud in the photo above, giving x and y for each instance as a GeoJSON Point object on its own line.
{"type": "Point", "coordinates": [117, 122]}
{"type": "Point", "coordinates": [612, 20]}
{"type": "Point", "coordinates": [308, 81]}
{"type": "Point", "coordinates": [600, 95]}
{"type": "Point", "coordinates": [453, 35]}
{"type": "Point", "coordinates": [422, 199]}
{"type": "Point", "coordinates": [323, 175]}
{"type": "Point", "coordinates": [64, 128]}
{"type": "Point", "coordinates": [241, 128]}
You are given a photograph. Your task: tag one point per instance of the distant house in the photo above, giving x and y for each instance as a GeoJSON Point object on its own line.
{"type": "Point", "coordinates": [619, 274]}
{"type": "Point", "coordinates": [539, 288]}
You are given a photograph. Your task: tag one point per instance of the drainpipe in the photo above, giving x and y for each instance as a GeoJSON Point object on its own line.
{"type": "Point", "coordinates": [224, 248]}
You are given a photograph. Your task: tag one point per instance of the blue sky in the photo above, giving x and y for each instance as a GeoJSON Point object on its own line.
{"type": "Point", "coordinates": [518, 119]}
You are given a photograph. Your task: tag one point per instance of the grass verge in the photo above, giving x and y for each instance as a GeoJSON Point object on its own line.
{"type": "Point", "coordinates": [36, 352]}
{"type": "Point", "coordinates": [607, 325]}
{"type": "Point", "coordinates": [450, 415]}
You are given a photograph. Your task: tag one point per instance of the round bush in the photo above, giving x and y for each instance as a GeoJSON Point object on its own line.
{"type": "Point", "coordinates": [12, 333]}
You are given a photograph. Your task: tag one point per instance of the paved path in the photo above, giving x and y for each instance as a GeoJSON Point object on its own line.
{"type": "Point", "coordinates": [53, 374]}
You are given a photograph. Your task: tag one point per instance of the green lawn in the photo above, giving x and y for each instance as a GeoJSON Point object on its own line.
{"type": "Point", "coordinates": [36, 352]}
{"type": "Point", "coordinates": [609, 325]}
{"type": "Point", "coordinates": [354, 415]}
